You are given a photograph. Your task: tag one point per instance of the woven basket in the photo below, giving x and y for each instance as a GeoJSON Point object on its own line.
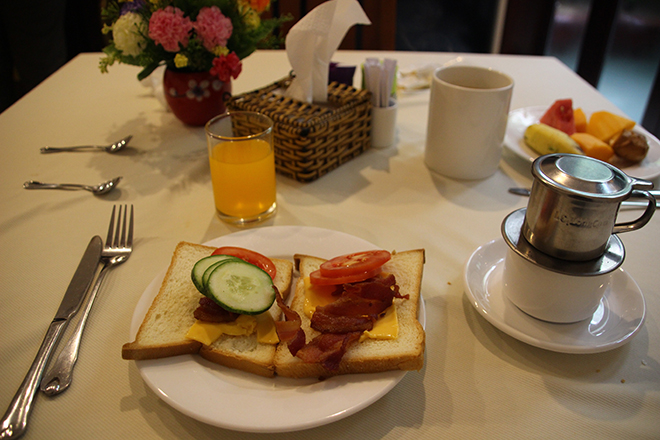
{"type": "Point", "coordinates": [312, 139]}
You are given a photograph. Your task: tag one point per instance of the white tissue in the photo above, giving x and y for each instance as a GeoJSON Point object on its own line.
{"type": "Point", "coordinates": [311, 43]}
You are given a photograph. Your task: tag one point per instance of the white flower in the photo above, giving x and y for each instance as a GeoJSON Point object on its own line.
{"type": "Point", "coordinates": [127, 33]}
{"type": "Point", "coordinates": [198, 91]}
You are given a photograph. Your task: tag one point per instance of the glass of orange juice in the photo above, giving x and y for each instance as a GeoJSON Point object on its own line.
{"type": "Point", "coordinates": [242, 161]}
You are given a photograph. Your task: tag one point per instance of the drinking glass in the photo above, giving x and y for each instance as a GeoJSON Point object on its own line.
{"type": "Point", "coordinates": [242, 160]}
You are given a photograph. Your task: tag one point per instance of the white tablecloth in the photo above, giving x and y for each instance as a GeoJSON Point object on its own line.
{"type": "Point", "coordinates": [477, 382]}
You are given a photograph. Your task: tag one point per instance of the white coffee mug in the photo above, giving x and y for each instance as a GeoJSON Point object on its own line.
{"type": "Point", "coordinates": [468, 113]}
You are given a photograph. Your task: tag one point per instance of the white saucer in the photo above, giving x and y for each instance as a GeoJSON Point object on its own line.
{"type": "Point", "coordinates": [618, 318]}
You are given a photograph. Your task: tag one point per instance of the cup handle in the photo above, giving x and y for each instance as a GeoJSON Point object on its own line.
{"type": "Point", "coordinates": [643, 219]}
{"type": "Point", "coordinates": [640, 183]}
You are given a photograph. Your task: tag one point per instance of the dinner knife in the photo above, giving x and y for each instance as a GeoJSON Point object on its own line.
{"type": "Point", "coordinates": [629, 203]}
{"type": "Point", "coordinates": [14, 422]}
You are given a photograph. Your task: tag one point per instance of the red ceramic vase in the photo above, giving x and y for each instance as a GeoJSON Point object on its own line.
{"type": "Point", "coordinates": [195, 97]}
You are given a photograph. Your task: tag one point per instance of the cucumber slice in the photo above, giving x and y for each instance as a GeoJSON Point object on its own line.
{"type": "Point", "coordinates": [240, 287]}
{"type": "Point", "coordinates": [207, 274]}
{"type": "Point", "coordinates": [200, 267]}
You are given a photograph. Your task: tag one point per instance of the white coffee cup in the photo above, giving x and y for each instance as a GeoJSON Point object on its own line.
{"type": "Point", "coordinates": [468, 113]}
{"type": "Point", "coordinates": [551, 296]}
{"type": "Point", "coordinates": [549, 288]}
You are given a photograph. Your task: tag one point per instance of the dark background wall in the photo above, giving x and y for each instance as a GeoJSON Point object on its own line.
{"type": "Point", "coordinates": [38, 36]}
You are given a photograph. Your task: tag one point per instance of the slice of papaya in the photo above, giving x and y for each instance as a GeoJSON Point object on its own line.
{"type": "Point", "coordinates": [605, 125]}
{"type": "Point", "coordinates": [580, 120]}
{"type": "Point", "coordinates": [593, 147]}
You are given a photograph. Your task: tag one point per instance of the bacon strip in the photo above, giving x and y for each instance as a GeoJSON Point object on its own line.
{"type": "Point", "coordinates": [210, 311]}
{"type": "Point", "coordinates": [341, 322]}
{"type": "Point", "coordinates": [330, 323]}
{"type": "Point", "coordinates": [290, 330]}
{"type": "Point", "coordinates": [328, 349]}
{"type": "Point", "coordinates": [352, 305]}
{"type": "Point", "coordinates": [359, 306]}
{"type": "Point", "coordinates": [382, 287]}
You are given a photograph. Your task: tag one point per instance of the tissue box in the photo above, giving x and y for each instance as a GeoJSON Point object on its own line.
{"type": "Point", "coordinates": [312, 139]}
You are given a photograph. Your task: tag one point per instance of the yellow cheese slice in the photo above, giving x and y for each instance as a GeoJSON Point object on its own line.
{"type": "Point", "coordinates": [316, 296]}
{"type": "Point", "coordinates": [387, 326]}
{"type": "Point", "coordinates": [266, 331]}
{"type": "Point", "coordinates": [208, 332]}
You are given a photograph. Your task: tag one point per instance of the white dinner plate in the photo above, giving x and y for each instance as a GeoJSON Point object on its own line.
{"type": "Point", "coordinates": [241, 401]}
{"type": "Point", "coordinates": [618, 318]}
{"type": "Point", "coordinates": [522, 118]}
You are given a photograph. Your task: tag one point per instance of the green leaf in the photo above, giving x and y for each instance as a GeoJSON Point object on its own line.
{"type": "Point", "coordinates": [148, 70]}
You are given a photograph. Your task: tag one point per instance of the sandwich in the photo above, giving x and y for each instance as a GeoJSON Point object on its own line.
{"type": "Point", "coordinates": [170, 327]}
{"type": "Point", "coordinates": [351, 314]}
{"type": "Point", "coordinates": [381, 332]}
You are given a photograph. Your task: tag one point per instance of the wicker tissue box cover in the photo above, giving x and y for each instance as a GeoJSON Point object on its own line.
{"type": "Point", "coordinates": [312, 139]}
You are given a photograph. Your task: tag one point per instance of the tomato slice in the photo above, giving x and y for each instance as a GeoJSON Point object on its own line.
{"type": "Point", "coordinates": [355, 263]}
{"type": "Point", "coordinates": [319, 279]}
{"type": "Point", "coordinates": [251, 257]}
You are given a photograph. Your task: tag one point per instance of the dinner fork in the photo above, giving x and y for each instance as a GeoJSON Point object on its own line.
{"type": "Point", "coordinates": [117, 249]}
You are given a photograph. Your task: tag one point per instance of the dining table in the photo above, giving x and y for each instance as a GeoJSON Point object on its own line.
{"type": "Point", "coordinates": [490, 372]}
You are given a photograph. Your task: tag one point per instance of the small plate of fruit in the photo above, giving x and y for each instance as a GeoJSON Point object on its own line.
{"type": "Point", "coordinates": [535, 131]}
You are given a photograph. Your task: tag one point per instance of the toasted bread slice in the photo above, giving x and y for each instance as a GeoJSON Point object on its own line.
{"type": "Point", "coordinates": [164, 328]}
{"type": "Point", "coordinates": [406, 352]}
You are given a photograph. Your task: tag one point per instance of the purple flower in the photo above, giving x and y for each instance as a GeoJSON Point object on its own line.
{"type": "Point", "coordinates": [132, 6]}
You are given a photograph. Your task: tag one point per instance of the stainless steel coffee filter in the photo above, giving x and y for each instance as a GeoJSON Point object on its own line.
{"type": "Point", "coordinates": [574, 203]}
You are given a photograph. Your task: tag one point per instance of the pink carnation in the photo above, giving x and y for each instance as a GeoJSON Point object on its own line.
{"type": "Point", "coordinates": [213, 28]}
{"type": "Point", "coordinates": [226, 66]}
{"type": "Point", "coordinates": [169, 28]}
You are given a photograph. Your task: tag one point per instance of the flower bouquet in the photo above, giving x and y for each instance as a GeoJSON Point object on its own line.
{"type": "Point", "coordinates": [204, 38]}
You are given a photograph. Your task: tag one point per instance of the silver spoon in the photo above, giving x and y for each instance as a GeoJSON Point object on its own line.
{"type": "Point", "coordinates": [101, 188]}
{"type": "Point", "coordinates": [113, 148]}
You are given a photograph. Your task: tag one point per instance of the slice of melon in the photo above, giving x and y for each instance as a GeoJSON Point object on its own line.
{"type": "Point", "coordinates": [593, 147]}
{"type": "Point", "coordinates": [605, 125]}
{"type": "Point", "coordinates": [560, 116]}
{"type": "Point", "coordinates": [580, 120]}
